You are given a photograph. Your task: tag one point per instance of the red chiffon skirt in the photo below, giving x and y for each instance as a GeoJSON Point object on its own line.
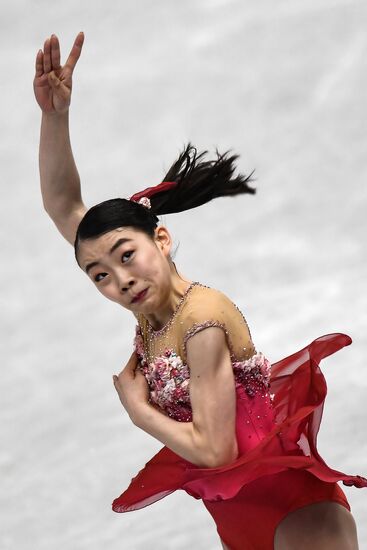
{"type": "Point", "coordinates": [278, 468]}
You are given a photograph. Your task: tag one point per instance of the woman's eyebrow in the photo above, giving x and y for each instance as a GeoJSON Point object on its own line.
{"type": "Point", "coordinates": [113, 247]}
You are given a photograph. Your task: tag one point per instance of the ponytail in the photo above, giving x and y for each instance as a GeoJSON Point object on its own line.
{"type": "Point", "coordinates": [192, 181]}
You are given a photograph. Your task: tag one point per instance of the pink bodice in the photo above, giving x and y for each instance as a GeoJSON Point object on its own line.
{"type": "Point", "coordinates": [169, 379]}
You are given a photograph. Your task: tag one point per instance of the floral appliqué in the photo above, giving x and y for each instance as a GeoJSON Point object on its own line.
{"type": "Point", "coordinates": [169, 378]}
{"type": "Point", "coordinates": [254, 374]}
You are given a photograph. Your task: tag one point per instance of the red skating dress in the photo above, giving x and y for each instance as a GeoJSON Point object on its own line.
{"type": "Point", "coordinates": [279, 410]}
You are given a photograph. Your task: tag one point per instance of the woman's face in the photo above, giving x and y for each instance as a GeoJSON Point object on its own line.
{"type": "Point", "coordinates": [124, 262]}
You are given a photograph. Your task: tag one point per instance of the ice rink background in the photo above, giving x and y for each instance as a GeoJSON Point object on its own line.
{"type": "Point", "coordinates": [283, 84]}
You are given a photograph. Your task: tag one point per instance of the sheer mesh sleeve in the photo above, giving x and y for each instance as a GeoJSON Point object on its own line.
{"type": "Point", "coordinates": [209, 307]}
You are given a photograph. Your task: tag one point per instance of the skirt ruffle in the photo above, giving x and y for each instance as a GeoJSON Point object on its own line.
{"type": "Point", "coordinates": [289, 441]}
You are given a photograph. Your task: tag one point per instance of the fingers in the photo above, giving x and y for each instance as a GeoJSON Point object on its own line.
{"type": "Point", "coordinates": [51, 54]}
{"type": "Point", "coordinates": [130, 368]}
{"type": "Point", "coordinates": [139, 373]}
{"type": "Point", "coordinates": [133, 361]}
{"type": "Point", "coordinates": [75, 52]}
{"type": "Point", "coordinates": [59, 88]}
{"type": "Point", "coordinates": [39, 63]}
{"type": "Point", "coordinates": [133, 356]}
{"type": "Point", "coordinates": [55, 52]}
{"type": "Point", "coordinates": [116, 384]}
{"type": "Point", "coordinates": [47, 56]}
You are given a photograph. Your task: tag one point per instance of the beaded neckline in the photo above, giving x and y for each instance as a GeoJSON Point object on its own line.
{"type": "Point", "coordinates": [160, 331]}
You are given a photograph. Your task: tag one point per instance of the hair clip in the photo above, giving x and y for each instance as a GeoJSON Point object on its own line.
{"type": "Point", "coordinates": [145, 201]}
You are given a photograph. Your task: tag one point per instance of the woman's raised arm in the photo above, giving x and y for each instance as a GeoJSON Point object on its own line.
{"type": "Point", "coordinates": [60, 183]}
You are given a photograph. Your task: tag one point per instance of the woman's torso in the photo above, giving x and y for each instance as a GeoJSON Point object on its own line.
{"type": "Point", "coordinates": [163, 357]}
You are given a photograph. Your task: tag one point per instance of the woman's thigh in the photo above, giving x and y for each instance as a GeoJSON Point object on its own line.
{"type": "Point", "coordinates": [318, 526]}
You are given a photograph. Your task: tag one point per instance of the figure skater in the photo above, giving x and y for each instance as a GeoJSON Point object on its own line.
{"type": "Point", "coordinates": [238, 432]}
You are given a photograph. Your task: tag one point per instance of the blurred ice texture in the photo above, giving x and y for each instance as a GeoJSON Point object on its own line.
{"type": "Point", "coordinates": [283, 84]}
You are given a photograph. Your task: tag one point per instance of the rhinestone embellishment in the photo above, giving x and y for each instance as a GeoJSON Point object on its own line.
{"type": "Point", "coordinates": [169, 379]}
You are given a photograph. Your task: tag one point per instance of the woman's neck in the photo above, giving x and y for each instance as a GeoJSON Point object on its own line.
{"type": "Point", "coordinates": [178, 288]}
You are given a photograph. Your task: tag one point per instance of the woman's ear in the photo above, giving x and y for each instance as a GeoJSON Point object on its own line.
{"type": "Point", "coordinates": [163, 239]}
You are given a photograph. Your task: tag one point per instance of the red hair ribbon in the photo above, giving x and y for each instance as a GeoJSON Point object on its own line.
{"type": "Point", "coordinates": [150, 191]}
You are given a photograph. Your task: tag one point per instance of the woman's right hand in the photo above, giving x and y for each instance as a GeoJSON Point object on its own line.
{"type": "Point", "coordinates": [52, 83]}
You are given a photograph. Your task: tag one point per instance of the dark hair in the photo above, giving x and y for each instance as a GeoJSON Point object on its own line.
{"type": "Point", "coordinates": [198, 182]}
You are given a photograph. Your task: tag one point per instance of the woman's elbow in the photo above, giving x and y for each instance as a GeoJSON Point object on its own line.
{"type": "Point", "coordinates": [221, 457]}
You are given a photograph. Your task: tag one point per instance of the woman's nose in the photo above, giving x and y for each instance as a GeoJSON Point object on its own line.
{"type": "Point", "coordinates": [125, 285]}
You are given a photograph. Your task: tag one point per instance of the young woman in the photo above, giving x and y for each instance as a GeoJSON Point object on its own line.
{"type": "Point", "coordinates": [238, 432]}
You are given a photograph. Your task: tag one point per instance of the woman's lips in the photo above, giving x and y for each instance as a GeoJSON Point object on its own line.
{"type": "Point", "coordinates": [140, 296]}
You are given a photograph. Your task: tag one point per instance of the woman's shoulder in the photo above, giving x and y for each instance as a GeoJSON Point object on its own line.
{"type": "Point", "coordinates": [210, 307]}
{"type": "Point", "coordinates": [207, 303]}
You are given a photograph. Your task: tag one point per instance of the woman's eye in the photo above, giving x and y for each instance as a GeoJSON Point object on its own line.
{"type": "Point", "coordinates": [96, 277]}
{"type": "Point", "coordinates": [125, 254]}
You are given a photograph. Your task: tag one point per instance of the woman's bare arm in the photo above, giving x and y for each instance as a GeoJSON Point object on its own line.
{"type": "Point", "coordinates": [60, 182]}
{"type": "Point", "coordinates": [209, 441]}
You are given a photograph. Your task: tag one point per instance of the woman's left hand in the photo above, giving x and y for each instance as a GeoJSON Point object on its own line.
{"type": "Point", "coordinates": [132, 387]}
